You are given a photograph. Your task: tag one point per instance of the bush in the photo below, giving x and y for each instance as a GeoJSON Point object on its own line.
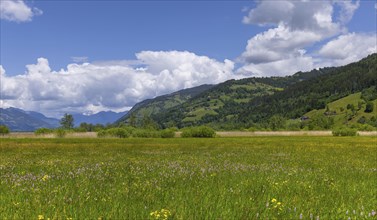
{"type": "Point", "coordinates": [369, 107]}
{"type": "Point", "coordinates": [43, 131]}
{"type": "Point", "coordinates": [114, 132]}
{"type": "Point", "coordinates": [102, 133]}
{"type": "Point", "coordinates": [344, 132]}
{"type": "Point", "coordinates": [201, 132]}
{"type": "Point", "coordinates": [4, 130]}
{"type": "Point", "coordinates": [145, 133]}
{"type": "Point", "coordinates": [60, 133]}
{"type": "Point", "coordinates": [167, 133]}
{"type": "Point", "coordinates": [118, 132]}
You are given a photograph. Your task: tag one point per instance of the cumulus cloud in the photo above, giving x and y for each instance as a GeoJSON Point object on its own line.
{"type": "Point", "coordinates": [294, 26]}
{"type": "Point", "coordinates": [353, 47]}
{"type": "Point", "coordinates": [92, 87]}
{"type": "Point", "coordinates": [281, 67]}
{"type": "Point", "coordinates": [17, 11]}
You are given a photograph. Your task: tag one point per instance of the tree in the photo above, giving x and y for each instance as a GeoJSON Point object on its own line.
{"type": "Point", "coordinates": [4, 130]}
{"type": "Point", "coordinates": [67, 121]}
{"type": "Point", "coordinates": [132, 120]}
{"type": "Point", "coordinates": [369, 107]}
{"type": "Point", "coordinates": [148, 123]}
{"type": "Point", "coordinates": [276, 122]}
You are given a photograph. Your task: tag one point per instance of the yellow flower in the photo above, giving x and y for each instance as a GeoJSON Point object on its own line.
{"type": "Point", "coordinates": [273, 200]}
{"type": "Point", "coordinates": [41, 217]}
{"type": "Point", "coordinates": [45, 177]}
{"type": "Point", "coordinates": [279, 203]}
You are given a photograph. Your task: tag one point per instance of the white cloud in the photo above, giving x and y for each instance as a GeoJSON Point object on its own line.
{"type": "Point", "coordinates": [17, 10]}
{"type": "Point", "coordinates": [90, 87]}
{"type": "Point", "coordinates": [276, 44]}
{"type": "Point", "coordinates": [281, 67]}
{"type": "Point", "coordinates": [347, 8]}
{"type": "Point", "coordinates": [295, 25]}
{"type": "Point", "coordinates": [348, 48]}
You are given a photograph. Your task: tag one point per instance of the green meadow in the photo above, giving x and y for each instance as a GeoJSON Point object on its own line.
{"type": "Point", "coordinates": [300, 177]}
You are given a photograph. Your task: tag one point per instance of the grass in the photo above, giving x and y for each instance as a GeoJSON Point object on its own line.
{"type": "Point", "coordinates": [228, 178]}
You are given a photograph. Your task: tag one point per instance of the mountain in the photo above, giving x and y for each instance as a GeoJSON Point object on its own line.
{"type": "Point", "coordinates": [19, 120]}
{"type": "Point", "coordinates": [314, 93]}
{"type": "Point", "coordinates": [225, 100]}
{"type": "Point", "coordinates": [162, 103]}
{"type": "Point", "coordinates": [104, 117]}
{"type": "Point", "coordinates": [51, 121]}
{"type": "Point", "coordinates": [257, 102]}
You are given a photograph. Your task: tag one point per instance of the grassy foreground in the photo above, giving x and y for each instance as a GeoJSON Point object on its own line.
{"type": "Point", "coordinates": [228, 178]}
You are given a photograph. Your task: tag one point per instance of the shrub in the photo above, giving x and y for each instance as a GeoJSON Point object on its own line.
{"type": "Point", "coordinates": [114, 132]}
{"type": "Point", "coordinates": [167, 133]}
{"type": "Point", "coordinates": [118, 132]}
{"type": "Point", "coordinates": [202, 131]}
{"type": "Point", "coordinates": [43, 131]}
{"type": "Point", "coordinates": [102, 133]}
{"type": "Point", "coordinates": [369, 107]}
{"type": "Point", "coordinates": [4, 130]}
{"type": "Point", "coordinates": [60, 133]}
{"type": "Point", "coordinates": [344, 132]}
{"type": "Point", "coordinates": [145, 133]}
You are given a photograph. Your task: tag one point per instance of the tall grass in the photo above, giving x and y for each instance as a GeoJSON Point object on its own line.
{"type": "Point", "coordinates": [227, 178]}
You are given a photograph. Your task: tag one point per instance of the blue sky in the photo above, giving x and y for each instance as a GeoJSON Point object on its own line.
{"type": "Point", "coordinates": [88, 56]}
{"type": "Point", "coordinates": [116, 30]}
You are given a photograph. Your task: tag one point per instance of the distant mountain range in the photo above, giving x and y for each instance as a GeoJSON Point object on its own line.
{"type": "Point", "coordinates": [104, 118]}
{"type": "Point", "coordinates": [19, 120]}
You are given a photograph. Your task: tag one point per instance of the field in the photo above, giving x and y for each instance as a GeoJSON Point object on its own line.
{"type": "Point", "coordinates": [290, 177]}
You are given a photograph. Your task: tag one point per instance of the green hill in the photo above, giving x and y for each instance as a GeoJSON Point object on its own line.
{"type": "Point", "coordinates": [349, 111]}
{"type": "Point", "coordinates": [273, 102]}
{"type": "Point", "coordinates": [154, 106]}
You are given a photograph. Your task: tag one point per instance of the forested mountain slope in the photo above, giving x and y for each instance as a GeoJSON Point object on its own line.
{"type": "Point", "coordinates": [255, 102]}
{"type": "Point", "coordinates": [159, 104]}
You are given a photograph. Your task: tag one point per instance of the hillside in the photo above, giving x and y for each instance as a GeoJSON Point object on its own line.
{"type": "Point", "coordinates": [161, 103]}
{"type": "Point", "coordinates": [255, 102]}
{"type": "Point", "coordinates": [315, 93]}
{"type": "Point", "coordinates": [199, 104]}
{"type": "Point", "coordinates": [350, 110]}
{"type": "Point", "coordinates": [19, 120]}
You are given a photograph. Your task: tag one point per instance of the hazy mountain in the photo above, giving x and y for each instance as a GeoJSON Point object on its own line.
{"type": "Point", "coordinates": [104, 117]}
{"type": "Point", "coordinates": [19, 120]}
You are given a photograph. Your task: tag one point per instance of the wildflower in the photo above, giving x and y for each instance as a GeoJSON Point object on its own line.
{"type": "Point", "coordinates": [45, 177]}
{"type": "Point", "coordinates": [301, 216]}
{"type": "Point", "coordinates": [273, 200]}
{"type": "Point", "coordinates": [41, 217]}
{"type": "Point", "coordinates": [164, 214]}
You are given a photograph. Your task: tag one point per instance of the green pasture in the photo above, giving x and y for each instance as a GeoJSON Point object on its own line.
{"type": "Point", "coordinates": [182, 178]}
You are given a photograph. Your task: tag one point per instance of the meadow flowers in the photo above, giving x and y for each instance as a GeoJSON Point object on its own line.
{"type": "Point", "coordinates": [276, 204]}
{"type": "Point", "coordinates": [45, 177]}
{"type": "Point", "coordinates": [164, 214]}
